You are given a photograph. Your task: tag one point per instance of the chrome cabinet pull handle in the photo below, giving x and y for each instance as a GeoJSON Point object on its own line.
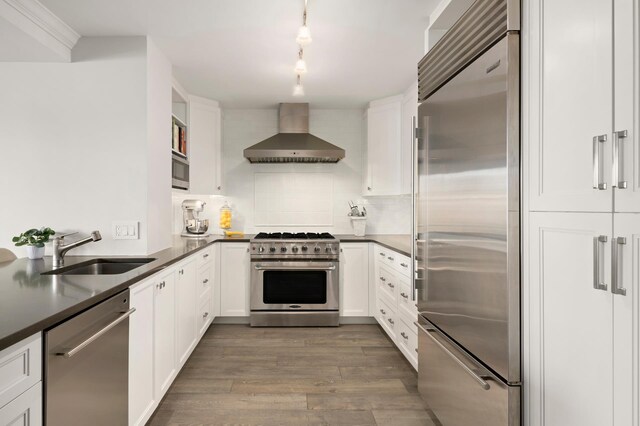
{"type": "Point", "coordinates": [391, 285]}
{"type": "Point", "coordinates": [404, 265]}
{"type": "Point", "coordinates": [92, 338]}
{"type": "Point", "coordinates": [618, 169]}
{"type": "Point", "coordinates": [205, 255]}
{"type": "Point", "coordinates": [383, 279]}
{"type": "Point", "coordinates": [206, 314]}
{"type": "Point", "coordinates": [403, 334]}
{"type": "Point", "coordinates": [391, 321]}
{"type": "Point", "coordinates": [383, 312]}
{"type": "Point", "coordinates": [597, 165]}
{"type": "Point", "coordinates": [598, 282]}
{"type": "Point", "coordinates": [405, 295]}
{"type": "Point", "coordinates": [478, 378]}
{"type": "Point", "coordinates": [616, 277]}
{"type": "Point", "coordinates": [206, 280]}
{"type": "Point", "coordinates": [390, 258]}
{"type": "Point", "coordinates": [382, 254]}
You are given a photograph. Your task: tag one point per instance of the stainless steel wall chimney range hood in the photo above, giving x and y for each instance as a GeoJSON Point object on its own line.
{"type": "Point", "coordinates": [294, 143]}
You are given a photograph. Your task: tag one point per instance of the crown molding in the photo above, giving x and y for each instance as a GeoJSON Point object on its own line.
{"type": "Point", "coordinates": [34, 19]}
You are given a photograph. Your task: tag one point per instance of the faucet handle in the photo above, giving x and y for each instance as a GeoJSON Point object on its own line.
{"type": "Point", "coordinates": [61, 237]}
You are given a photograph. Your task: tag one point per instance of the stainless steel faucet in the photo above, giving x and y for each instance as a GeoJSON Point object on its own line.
{"type": "Point", "coordinates": [59, 250]}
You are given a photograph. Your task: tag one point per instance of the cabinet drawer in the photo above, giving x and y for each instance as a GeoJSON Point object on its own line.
{"type": "Point", "coordinates": [407, 341]}
{"type": "Point", "coordinates": [204, 257]}
{"type": "Point", "coordinates": [204, 313]}
{"type": "Point", "coordinates": [402, 264]}
{"type": "Point", "coordinates": [386, 316]}
{"type": "Point", "coordinates": [387, 285]}
{"type": "Point", "coordinates": [20, 367]}
{"type": "Point", "coordinates": [25, 410]}
{"type": "Point", "coordinates": [204, 280]}
{"type": "Point", "coordinates": [384, 255]}
{"type": "Point", "coordinates": [406, 307]}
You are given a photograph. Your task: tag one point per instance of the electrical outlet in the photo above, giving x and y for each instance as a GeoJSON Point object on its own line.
{"type": "Point", "coordinates": [125, 230]}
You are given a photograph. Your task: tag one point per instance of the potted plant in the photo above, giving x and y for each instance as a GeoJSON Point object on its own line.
{"type": "Point", "coordinates": [34, 239]}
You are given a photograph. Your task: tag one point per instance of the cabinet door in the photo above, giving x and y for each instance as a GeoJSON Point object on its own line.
{"type": "Point", "coordinates": [205, 150]}
{"type": "Point", "coordinates": [25, 410]}
{"type": "Point", "coordinates": [215, 285]}
{"type": "Point", "coordinates": [569, 102]}
{"type": "Point", "coordinates": [383, 153]}
{"type": "Point", "coordinates": [187, 322]}
{"type": "Point", "coordinates": [354, 280]}
{"type": "Point", "coordinates": [626, 318]}
{"type": "Point", "coordinates": [626, 119]}
{"type": "Point", "coordinates": [409, 111]}
{"type": "Point", "coordinates": [164, 333]}
{"type": "Point", "coordinates": [234, 279]}
{"type": "Point", "coordinates": [568, 357]}
{"type": "Point", "coordinates": [141, 366]}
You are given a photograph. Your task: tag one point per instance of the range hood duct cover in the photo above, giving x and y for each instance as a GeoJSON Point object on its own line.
{"type": "Point", "coordinates": [294, 143]}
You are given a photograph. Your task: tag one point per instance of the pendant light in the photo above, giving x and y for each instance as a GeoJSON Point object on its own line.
{"type": "Point", "coordinates": [298, 90]}
{"type": "Point", "coordinates": [304, 34]}
{"type": "Point", "coordinates": [301, 65]}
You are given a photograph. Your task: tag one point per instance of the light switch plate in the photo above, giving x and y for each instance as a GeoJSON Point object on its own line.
{"type": "Point", "coordinates": [125, 230]}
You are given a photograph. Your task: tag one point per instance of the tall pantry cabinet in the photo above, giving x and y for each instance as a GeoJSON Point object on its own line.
{"type": "Point", "coordinates": [582, 227]}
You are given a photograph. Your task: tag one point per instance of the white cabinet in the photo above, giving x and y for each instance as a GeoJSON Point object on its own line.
{"type": "Point", "coordinates": [574, 125]}
{"type": "Point", "coordinates": [409, 112]}
{"type": "Point", "coordinates": [570, 320]}
{"type": "Point", "coordinates": [187, 308]}
{"type": "Point", "coordinates": [234, 279]}
{"type": "Point", "coordinates": [141, 352]}
{"type": "Point", "coordinates": [164, 332]}
{"type": "Point", "coordinates": [205, 150]}
{"type": "Point", "coordinates": [25, 410]}
{"type": "Point", "coordinates": [20, 383]}
{"type": "Point", "coordinates": [354, 279]}
{"type": "Point", "coordinates": [383, 174]}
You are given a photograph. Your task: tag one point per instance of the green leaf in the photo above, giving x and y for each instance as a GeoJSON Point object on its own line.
{"type": "Point", "coordinates": [21, 243]}
{"type": "Point", "coordinates": [40, 245]}
{"type": "Point", "coordinates": [15, 239]}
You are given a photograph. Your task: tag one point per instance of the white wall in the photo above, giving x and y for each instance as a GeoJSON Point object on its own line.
{"type": "Point", "coordinates": [243, 128]}
{"type": "Point", "coordinates": [75, 145]}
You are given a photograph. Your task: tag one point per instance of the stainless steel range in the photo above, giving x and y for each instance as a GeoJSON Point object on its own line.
{"type": "Point", "coordinates": [294, 280]}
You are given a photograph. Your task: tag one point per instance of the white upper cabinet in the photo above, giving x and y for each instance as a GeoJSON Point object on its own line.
{"type": "Point", "coordinates": [626, 118]}
{"type": "Point", "coordinates": [383, 162]}
{"type": "Point", "coordinates": [409, 112]}
{"type": "Point", "coordinates": [205, 146]}
{"type": "Point", "coordinates": [571, 104]}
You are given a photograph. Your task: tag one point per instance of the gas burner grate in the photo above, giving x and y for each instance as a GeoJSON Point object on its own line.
{"type": "Point", "coordinates": [294, 236]}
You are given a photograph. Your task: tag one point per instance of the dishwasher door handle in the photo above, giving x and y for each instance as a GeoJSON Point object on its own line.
{"type": "Point", "coordinates": [87, 342]}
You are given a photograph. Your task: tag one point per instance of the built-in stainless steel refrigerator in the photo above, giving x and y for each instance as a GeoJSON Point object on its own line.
{"type": "Point", "coordinates": [467, 226]}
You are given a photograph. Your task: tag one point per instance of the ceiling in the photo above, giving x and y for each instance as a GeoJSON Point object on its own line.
{"type": "Point", "coordinates": [242, 52]}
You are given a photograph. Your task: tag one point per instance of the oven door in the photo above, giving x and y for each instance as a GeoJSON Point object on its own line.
{"type": "Point", "coordinates": [297, 285]}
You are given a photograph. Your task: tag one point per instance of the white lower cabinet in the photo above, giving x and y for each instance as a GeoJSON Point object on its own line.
{"type": "Point", "coordinates": [25, 410]}
{"type": "Point", "coordinates": [354, 279]}
{"type": "Point", "coordinates": [141, 336]}
{"type": "Point", "coordinates": [234, 279]}
{"type": "Point", "coordinates": [164, 332]}
{"type": "Point", "coordinates": [187, 308]}
{"type": "Point", "coordinates": [569, 364]}
{"type": "Point", "coordinates": [21, 383]}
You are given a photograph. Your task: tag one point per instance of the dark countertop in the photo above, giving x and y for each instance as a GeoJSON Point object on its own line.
{"type": "Point", "coordinates": [399, 243]}
{"type": "Point", "coordinates": [31, 302]}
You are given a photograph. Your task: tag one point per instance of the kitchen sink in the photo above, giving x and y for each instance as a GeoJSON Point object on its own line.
{"type": "Point", "coordinates": [101, 267]}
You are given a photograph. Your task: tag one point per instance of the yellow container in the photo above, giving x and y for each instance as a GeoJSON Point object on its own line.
{"type": "Point", "coordinates": [225, 216]}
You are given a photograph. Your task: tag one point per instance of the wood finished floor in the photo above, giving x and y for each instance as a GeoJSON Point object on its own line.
{"type": "Point", "coordinates": [351, 375]}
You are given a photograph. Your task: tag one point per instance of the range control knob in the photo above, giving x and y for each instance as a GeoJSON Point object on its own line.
{"type": "Point", "coordinates": [272, 249]}
{"type": "Point", "coordinates": [317, 249]}
{"type": "Point", "coordinates": [328, 249]}
{"type": "Point", "coordinates": [283, 249]}
{"type": "Point", "coordinates": [261, 249]}
{"type": "Point", "coordinates": [294, 249]}
{"type": "Point", "coordinates": [305, 248]}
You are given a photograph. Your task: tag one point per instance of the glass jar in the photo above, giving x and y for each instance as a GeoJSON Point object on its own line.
{"type": "Point", "coordinates": [225, 216]}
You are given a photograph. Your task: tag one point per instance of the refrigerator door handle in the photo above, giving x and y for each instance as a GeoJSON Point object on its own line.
{"type": "Point", "coordinates": [480, 378]}
{"type": "Point", "coordinates": [414, 183]}
{"type": "Point", "coordinates": [598, 281]}
{"type": "Point", "coordinates": [616, 277]}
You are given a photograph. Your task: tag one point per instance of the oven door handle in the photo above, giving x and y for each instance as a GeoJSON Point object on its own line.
{"type": "Point", "coordinates": [280, 268]}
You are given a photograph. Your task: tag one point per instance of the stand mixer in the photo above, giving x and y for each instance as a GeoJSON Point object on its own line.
{"type": "Point", "coordinates": [193, 226]}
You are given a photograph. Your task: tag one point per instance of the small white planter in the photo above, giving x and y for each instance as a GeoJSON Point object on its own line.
{"type": "Point", "coordinates": [359, 224]}
{"type": "Point", "coordinates": [34, 252]}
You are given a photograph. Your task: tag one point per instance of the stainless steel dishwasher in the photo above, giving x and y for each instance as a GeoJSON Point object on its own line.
{"type": "Point", "coordinates": [87, 366]}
